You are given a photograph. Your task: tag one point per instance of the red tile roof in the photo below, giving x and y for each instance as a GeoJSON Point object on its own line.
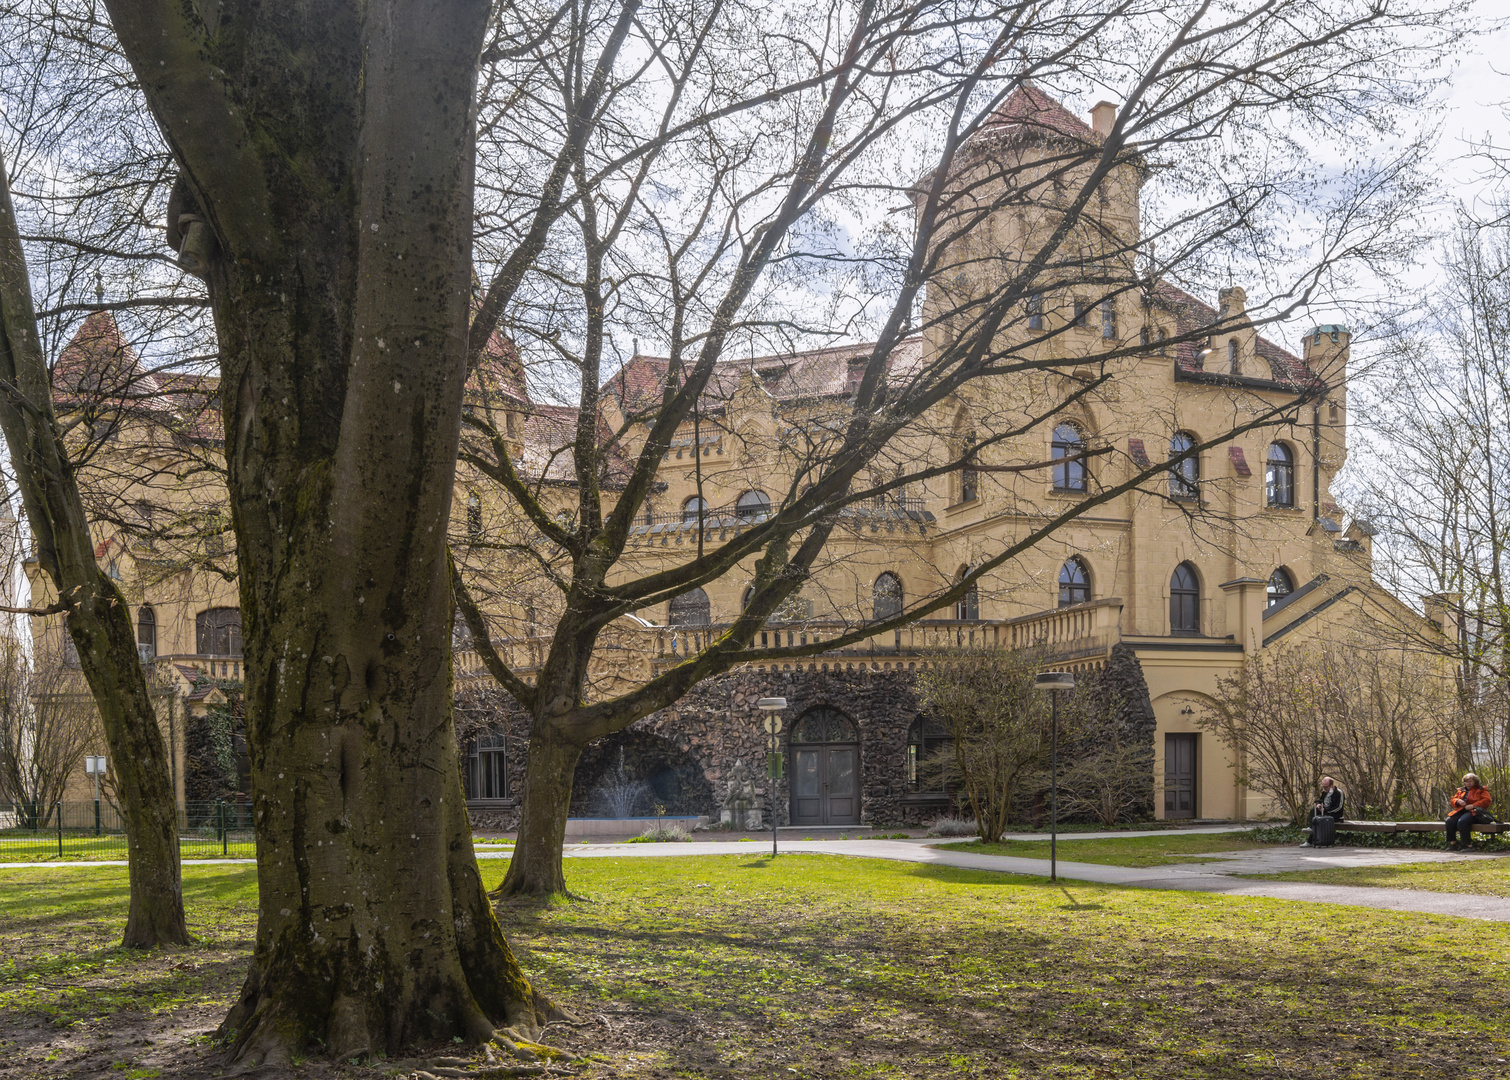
{"type": "Point", "coordinates": [791, 376]}
{"type": "Point", "coordinates": [1030, 111]}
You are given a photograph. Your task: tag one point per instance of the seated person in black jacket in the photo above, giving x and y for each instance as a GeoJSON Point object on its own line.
{"type": "Point", "coordinates": [1328, 804]}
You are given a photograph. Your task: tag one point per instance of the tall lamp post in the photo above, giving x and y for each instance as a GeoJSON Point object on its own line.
{"type": "Point", "coordinates": [95, 767]}
{"type": "Point", "coordinates": [1054, 682]}
{"type": "Point", "coordinates": [772, 707]}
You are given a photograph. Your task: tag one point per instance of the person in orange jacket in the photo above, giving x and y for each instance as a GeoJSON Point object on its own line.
{"type": "Point", "coordinates": [1469, 805]}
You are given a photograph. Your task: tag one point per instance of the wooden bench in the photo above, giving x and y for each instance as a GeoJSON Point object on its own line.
{"type": "Point", "coordinates": [1416, 826]}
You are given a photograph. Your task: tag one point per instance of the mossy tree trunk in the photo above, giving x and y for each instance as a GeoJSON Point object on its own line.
{"type": "Point", "coordinates": [327, 149]}
{"type": "Point", "coordinates": [97, 617]}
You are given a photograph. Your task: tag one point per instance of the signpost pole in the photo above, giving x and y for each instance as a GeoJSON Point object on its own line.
{"type": "Point", "coordinates": [772, 707]}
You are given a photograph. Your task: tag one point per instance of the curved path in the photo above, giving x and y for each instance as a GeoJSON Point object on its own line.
{"type": "Point", "coordinates": [1215, 877]}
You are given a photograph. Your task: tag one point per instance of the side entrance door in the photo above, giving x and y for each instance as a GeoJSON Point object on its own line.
{"type": "Point", "coordinates": [1179, 775]}
{"type": "Point", "coordinates": [825, 770]}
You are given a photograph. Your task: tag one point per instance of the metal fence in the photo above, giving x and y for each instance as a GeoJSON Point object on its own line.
{"type": "Point", "coordinates": [31, 832]}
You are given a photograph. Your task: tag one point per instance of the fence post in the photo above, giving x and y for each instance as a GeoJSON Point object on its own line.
{"type": "Point", "coordinates": [59, 806]}
{"type": "Point", "coordinates": [225, 837]}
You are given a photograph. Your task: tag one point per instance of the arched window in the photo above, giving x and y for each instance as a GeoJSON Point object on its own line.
{"type": "Point", "coordinates": [1184, 601]}
{"type": "Point", "coordinates": [887, 596]}
{"type": "Point", "coordinates": [217, 632]}
{"type": "Point", "coordinates": [925, 769]}
{"type": "Point", "coordinates": [146, 632]}
{"type": "Point", "coordinates": [744, 601]}
{"type": "Point", "coordinates": [967, 606]}
{"type": "Point", "coordinates": [694, 509]}
{"type": "Point", "coordinates": [753, 506]}
{"type": "Point", "coordinates": [474, 516]}
{"type": "Point", "coordinates": [1068, 444]}
{"type": "Point", "coordinates": [1074, 582]}
{"type": "Point", "coordinates": [1184, 476]}
{"type": "Point", "coordinates": [824, 725]}
{"type": "Point", "coordinates": [1280, 586]}
{"type": "Point", "coordinates": [1234, 357]}
{"type": "Point", "coordinates": [1279, 475]}
{"type": "Point", "coordinates": [691, 608]}
{"type": "Point", "coordinates": [969, 474]}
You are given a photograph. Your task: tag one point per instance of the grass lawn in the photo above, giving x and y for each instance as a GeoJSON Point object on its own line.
{"type": "Point", "coordinates": [43, 847]}
{"type": "Point", "coordinates": [821, 966]}
{"type": "Point", "coordinates": [1481, 877]}
{"type": "Point", "coordinates": [1133, 851]}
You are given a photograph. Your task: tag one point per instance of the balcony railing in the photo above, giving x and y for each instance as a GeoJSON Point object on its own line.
{"type": "Point", "coordinates": [1084, 631]}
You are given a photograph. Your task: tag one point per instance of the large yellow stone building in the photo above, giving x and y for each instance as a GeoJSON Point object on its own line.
{"type": "Point", "coordinates": [1219, 557]}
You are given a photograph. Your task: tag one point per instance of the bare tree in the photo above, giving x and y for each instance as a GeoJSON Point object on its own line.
{"type": "Point", "coordinates": [999, 726]}
{"type": "Point", "coordinates": [1438, 408]}
{"type": "Point", "coordinates": [1383, 721]}
{"type": "Point", "coordinates": [328, 201]}
{"type": "Point", "coordinates": [718, 209]}
{"type": "Point", "coordinates": [97, 620]}
{"type": "Point", "coordinates": [46, 725]}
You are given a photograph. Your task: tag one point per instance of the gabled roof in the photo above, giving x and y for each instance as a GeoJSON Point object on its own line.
{"type": "Point", "coordinates": [1193, 317]}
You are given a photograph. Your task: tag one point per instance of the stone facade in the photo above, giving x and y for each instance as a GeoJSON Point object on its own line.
{"type": "Point", "coordinates": [718, 726]}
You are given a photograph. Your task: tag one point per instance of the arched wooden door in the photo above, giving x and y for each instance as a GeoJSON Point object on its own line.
{"type": "Point", "coordinates": [825, 750]}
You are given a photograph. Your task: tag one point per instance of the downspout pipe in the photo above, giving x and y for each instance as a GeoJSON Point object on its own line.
{"type": "Point", "coordinates": [1316, 462]}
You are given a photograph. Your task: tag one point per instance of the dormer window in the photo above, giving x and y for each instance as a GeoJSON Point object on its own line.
{"type": "Point", "coordinates": [1234, 358]}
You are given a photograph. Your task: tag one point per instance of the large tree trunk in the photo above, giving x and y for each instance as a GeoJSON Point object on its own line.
{"type": "Point", "coordinates": [535, 866]}
{"type": "Point", "coordinates": [97, 620]}
{"type": "Point", "coordinates": [330, 149]}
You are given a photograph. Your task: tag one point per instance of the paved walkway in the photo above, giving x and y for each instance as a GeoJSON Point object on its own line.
{"type": "Point", "coordinates": [1215, 877]}
{"type": "Point", "coordinates": [1220, 873]}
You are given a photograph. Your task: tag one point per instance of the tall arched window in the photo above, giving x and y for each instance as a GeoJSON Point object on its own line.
{"type": "Point", "coordinates": [1279, 475]}
{"type": "Point", "coordinates": [1074, 582]}
{"type": "Point", "coordinates": [1280, 586]}
{"type": "Point", "coordinates": [967, 606]}
{"type": "Point", "coordinates": [474, 516]}
{"type": "Point", "coordinates": [691, 608]}
{"type": "Point", "coordinates": [753, 506]}
{"type": "Point", "coordinates": [1184, 601]}
{"type": "Point", "coordinates": [694, 509]}
{"type": "Point", "coordinates": [1234, 357]}
{"type": "Point", "coordinates": [1184, 476]}
{"type": "Point", "coordinates": [1069, 465]}
{"type": "Point", "coordinates": [887, 596]}
{"type": "Point", "coordinates": [146, 632]}
{"type": "Point", "coordinates": [217, 632]}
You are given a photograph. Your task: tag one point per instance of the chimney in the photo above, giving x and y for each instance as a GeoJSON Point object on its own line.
{"type": "Point", "coordinates": [1103, 115]}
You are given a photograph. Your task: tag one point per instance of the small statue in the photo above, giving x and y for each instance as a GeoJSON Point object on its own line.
{"type": "Point", "coordinates": [739, 802]}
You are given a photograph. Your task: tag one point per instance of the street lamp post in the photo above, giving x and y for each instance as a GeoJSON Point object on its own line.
{"type": "Point", "coordinates": [772, 707]}
{"type": "Point", "coordinates": [95, 767]}
{"type": "Point", "coordinates": [1054, 682]}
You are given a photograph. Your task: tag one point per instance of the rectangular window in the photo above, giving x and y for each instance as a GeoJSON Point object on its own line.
{"type": "Point", "coordinates": [1108, 319]}
{"type": "Point", "coordinates": [1082, 313]}
{"type": "Point", "coordinates": [1035, 311]}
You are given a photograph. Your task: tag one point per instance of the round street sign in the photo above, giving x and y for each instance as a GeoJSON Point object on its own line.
{"type": "Point", "coordinates": [772, 724]}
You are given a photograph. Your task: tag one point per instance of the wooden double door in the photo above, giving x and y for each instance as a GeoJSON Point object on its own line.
{"type": "Point", "coordinates": [826, 784]}
{"type": "Point", "coordinates": [1180, 757]}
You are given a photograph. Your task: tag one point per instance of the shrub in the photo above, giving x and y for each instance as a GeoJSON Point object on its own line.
{"type": "Point", "coordinates": [953, 826]}
{"type": "Point", "coordinates": [669, 834]}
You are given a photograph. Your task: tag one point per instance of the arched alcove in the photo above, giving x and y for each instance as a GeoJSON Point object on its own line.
{"type": "Point", "coordinates": [630, 772]}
